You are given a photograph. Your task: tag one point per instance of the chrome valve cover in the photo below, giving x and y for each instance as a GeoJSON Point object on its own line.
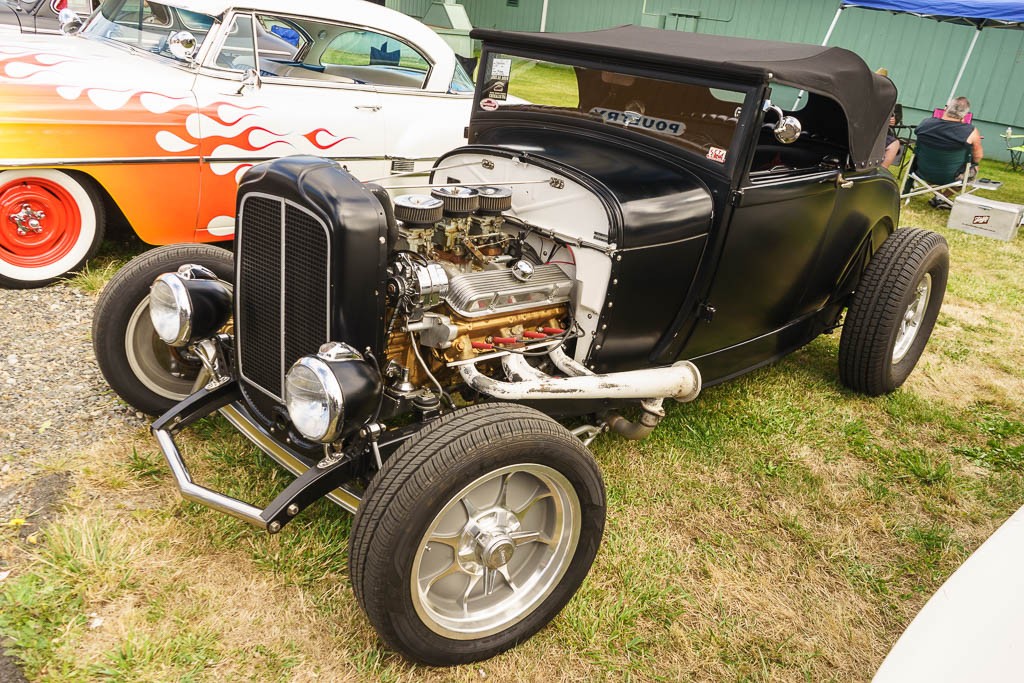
{"type": "Point", "coordinates": [474, 295]}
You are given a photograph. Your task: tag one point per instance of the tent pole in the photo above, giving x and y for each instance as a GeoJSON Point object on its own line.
{"type": "Point", "coordinates": [824, 42]}
{"type": "Point", "coordinates": [963, 66]}
{"type": "Point", "coordinates": [832, 26]}
{"type": "Point", "coordinates": [544, 17]}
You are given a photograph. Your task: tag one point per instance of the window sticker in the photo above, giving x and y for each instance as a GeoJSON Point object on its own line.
{"type": "Point", "coordinates": [717, 154]}
{"type": "Point", "coordinates": [501, 68]}
{"type": "Point", "coordinates": [632, 118]}
{"type": "Point", "coordinates": [496, 87]}
{"type": "Point", "coordinates": [488, 104]}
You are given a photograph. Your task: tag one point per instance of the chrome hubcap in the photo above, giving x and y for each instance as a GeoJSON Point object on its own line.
{"type": "Point", "coordinates": [28, 220]}
{"type": "Point", "coordinates": [910, 324]}
{"type": "Point", "coordinates": [496, 551]}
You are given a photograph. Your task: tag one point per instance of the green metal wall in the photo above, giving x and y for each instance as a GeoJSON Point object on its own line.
{"type": "Point", "coordinates": [922, 56]}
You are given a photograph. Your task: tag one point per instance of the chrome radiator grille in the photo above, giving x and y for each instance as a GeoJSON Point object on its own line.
{"type": "Point", "coordinates": [282, 308]}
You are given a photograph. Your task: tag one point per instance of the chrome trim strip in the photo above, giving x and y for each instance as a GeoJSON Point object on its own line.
{"type": "Point", "coordinates": [105, 161]}
{"type": "Point", "coordinates": [98, 161]}
{"type": "Point", "coordinates": [239, 291]}
{"type": "Point", "coordinates": [238, 415]}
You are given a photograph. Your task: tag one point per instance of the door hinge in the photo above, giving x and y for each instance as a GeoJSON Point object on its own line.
{"type": "Point", "coordinates": [735, 196]}
{"type": "Point", "coordinates": [706, 312]}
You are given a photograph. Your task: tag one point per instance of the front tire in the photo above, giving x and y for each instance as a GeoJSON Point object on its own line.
{"type": "Point", "coordinates": [893, 311]}
{"type": "Point", "coordinates": [51, 223]}
{"type": "Point", "coordinates": [144, 371]}
{"type": "Point", "coordinates": [476, 533]}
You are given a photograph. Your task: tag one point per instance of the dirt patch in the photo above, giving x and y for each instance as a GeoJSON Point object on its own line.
{"type": "Point", "coordinates": [9, 671]}
{"type": "Point", "coordinates": [33, 500]}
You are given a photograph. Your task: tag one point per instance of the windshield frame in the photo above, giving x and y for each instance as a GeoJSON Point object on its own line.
{"type": "Point", "coordinates": [739, 146]}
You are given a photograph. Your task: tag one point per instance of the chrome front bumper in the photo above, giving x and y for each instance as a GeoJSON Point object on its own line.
{"type": "Point", "coordinates": [307, 488]}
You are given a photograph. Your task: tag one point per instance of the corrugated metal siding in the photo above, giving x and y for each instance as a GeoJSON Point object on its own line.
{"type": "Point", "coordinates": [922, 56]}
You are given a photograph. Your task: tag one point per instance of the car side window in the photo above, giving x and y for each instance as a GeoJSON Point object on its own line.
{"type": "Point", "coordinates": [239, 50]}
{"type": "Point", "coordinates": [822, 145]}
{"type": "Point", "coordinates": [371, 57]}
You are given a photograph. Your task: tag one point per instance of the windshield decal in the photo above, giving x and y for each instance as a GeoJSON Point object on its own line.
{"type": "Point", "coordinates": [632, 118]}
{"type": "Point", "coordinates": [717, 154]}
{"type": "Point", "coordinates": [496, 87]}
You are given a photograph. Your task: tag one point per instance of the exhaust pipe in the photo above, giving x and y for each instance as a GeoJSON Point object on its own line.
{"type": "Point", "coordinates": [680, 381]}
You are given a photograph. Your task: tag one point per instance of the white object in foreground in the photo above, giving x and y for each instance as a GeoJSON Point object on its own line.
{"type": "Point", "coordinates": [972, 629]}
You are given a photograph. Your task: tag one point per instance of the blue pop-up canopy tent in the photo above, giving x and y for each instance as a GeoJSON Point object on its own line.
{"type": "Point", "coordinates": [980, 14]}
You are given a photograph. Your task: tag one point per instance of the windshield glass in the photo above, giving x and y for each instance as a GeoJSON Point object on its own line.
{"type": "Point", "coordinates": [146, 25]}
{"type": "Point", "coordinates": [696, 117]}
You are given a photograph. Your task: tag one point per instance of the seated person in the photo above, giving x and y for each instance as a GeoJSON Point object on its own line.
{"type": "Point", "coordinates": [892, 144]}
{"type": "Point", "coordinates": [951, 133]}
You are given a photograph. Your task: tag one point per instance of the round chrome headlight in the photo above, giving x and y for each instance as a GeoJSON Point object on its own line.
{"type": "Point", "coordinates": [170, 309]}
{"type": "Point", "coordinates": [314, 399]}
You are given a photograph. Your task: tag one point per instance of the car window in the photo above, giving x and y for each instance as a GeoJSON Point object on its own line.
{"type": "Point", "coordinates": [239, 49]}
{"type": "Point", "coordinates": [690, 115]}
{"type": "Point", "coordinates": [145, 25]}
{"type": "Point", "coordinates": [375, 58]}
{"type": "Point", "coordinates": [823, 143]}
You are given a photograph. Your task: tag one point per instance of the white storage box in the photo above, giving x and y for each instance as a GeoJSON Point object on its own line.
{"type": "Point", "coordinates": [981, 216]}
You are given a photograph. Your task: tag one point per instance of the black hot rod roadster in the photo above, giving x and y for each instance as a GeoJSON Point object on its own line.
{"type": "Point", "coordinates": [686, 209]}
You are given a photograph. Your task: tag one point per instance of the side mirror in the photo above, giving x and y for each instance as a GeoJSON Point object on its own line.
{"type": "Point", "coordinates": [70, 22]}
{"type": "Point", "coordinates": [788, 128]}
{"type": "Point", "coordinates": [250, 81]}
{"type": "Point", "coordinates": [183, 45]}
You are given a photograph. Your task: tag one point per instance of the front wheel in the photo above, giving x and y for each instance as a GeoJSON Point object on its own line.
{"type": "Point", "coordinates": [476, 533]}
{"type": "Point", "coordinates": [51, 223]}
{"type": "Point", "coordinates": [893, 311]}
{"type": "Point", "coordinates": [144, 371]}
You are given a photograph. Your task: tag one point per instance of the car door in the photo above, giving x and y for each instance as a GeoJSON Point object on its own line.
{"type": "Point", "coordinates": [769, 253]}
{"type": "Point", "coordinates": [259, 100]}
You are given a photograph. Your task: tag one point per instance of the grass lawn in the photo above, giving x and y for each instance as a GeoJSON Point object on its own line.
{"type": "Point", "coordinates": [778, 528]}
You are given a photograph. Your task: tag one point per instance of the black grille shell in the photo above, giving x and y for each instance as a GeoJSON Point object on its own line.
{"type": "Point", "coordinates": [282, 293]}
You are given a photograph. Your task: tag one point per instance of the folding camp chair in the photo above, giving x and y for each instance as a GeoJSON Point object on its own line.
{"type": "Point", "coordinates": [1015, 146]}
{"type": "Point", "coordinates": [933, 170]}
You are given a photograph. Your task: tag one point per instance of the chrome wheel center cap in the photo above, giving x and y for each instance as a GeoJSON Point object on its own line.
{"type": "Point", "coordinates": [487, 541]}
{"type": "Point", "coordinates": [28, 220]}
{"type": "Point", "coordinates": [495, 550]}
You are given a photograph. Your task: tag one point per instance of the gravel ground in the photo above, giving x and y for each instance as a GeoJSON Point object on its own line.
{"type": "Point", "coordinates": [52, 395]}
{"type": "Point", "coordinates": [53, 398]}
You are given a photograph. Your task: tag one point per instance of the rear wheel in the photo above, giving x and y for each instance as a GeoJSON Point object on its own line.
{"type": "Point", "coordinates": [51, 223]}
{"type": "Point", "coordinates": [143, 370]}
{"type": "Point", "coordinates": [476, 533]}
{"type": "Point", "coordinates": [893, 311]}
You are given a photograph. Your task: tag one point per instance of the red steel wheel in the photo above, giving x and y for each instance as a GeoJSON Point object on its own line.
{"type": "Point", "coordinates": [50, 224]}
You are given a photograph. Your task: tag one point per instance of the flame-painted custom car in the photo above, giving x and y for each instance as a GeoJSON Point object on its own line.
{"type": "Point", "coordinates": [675, 211]}
{"type": "Point", "coordinates": [152, 110]}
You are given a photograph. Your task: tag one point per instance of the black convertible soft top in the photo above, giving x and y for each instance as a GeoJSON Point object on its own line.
{"type": "Point", "coordinates": [865, 97]}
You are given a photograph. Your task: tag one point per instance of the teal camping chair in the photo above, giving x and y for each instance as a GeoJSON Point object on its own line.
{"type": "Point", "coordinates": [933, 170]}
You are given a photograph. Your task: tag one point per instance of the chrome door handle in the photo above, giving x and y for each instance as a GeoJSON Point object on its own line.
{"type": "Point", "coordinates": [368, 107]}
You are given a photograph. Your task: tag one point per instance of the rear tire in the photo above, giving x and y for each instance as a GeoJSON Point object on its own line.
{"type": "Point", "coordinates": [51, 223]}
{"type": "Point", "coordinates": [497, 498]}
{"type": "Point", "coordinates": [893, 311]}
{"type": "Point", "coordinates": [147, 373]}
